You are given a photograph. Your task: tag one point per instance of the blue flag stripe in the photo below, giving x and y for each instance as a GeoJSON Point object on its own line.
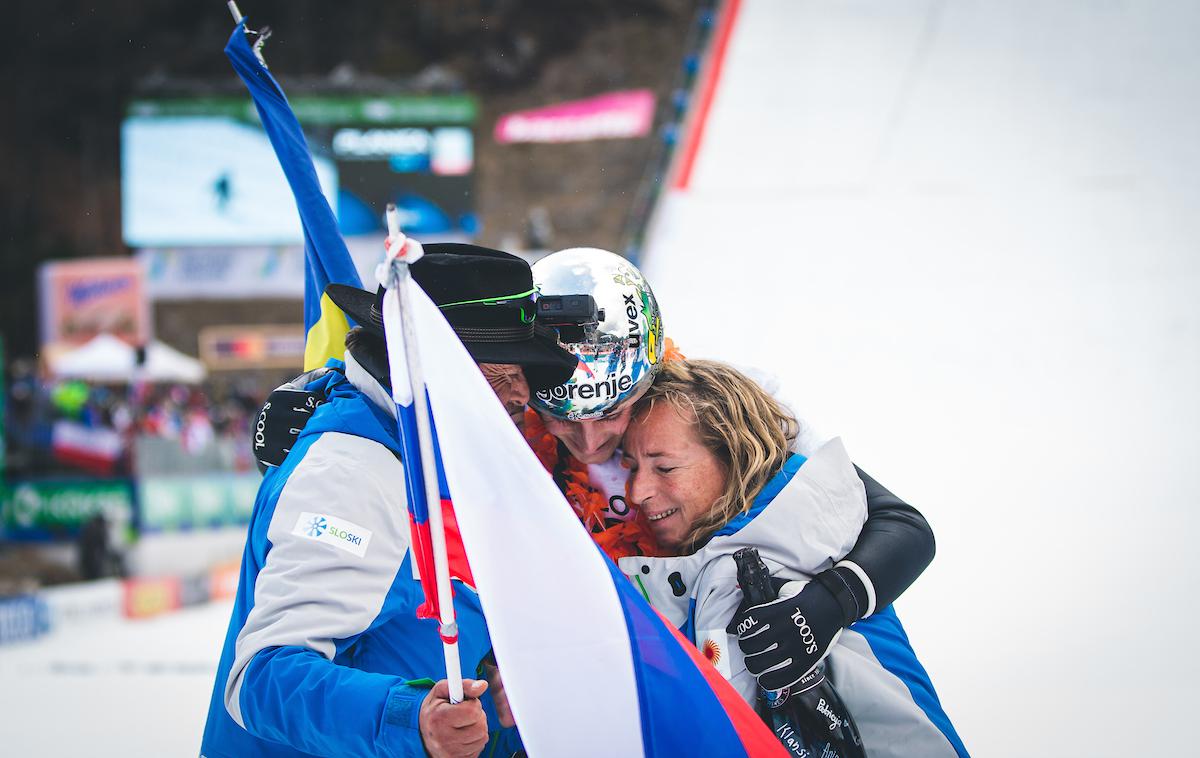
{"type": "Point", "coordinates": [327, 260]}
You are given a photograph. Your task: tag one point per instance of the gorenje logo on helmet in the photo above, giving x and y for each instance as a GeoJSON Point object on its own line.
{"type": "Point", "coordinates": [606, 389]}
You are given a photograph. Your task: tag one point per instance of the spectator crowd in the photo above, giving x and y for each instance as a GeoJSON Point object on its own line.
{"type": "Point", "coordinates": [73, 427]}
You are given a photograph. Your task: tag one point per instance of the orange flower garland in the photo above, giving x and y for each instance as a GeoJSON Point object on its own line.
{"type": "Point", "coordinates": [617, 540]}
{"type": "Point", "coordinates": [670, 352]}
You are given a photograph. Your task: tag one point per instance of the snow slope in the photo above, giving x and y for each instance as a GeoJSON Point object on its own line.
{"type": "Point", "coordinates": [965, 234]}
{"type": "Point", "coordinates": [113, 688]}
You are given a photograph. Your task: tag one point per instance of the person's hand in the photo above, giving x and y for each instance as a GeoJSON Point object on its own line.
{"type": "Point", "coordinates": [784, 640]}
{"type": "Point", "coordinates": [499, 698]}
{"type": "Point", "coordinates": [457, 730]}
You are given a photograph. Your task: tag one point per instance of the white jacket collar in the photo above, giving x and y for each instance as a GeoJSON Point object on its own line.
{"type": "Point", "coordinates": [368, 385]}
{"type": "Point", "coordinates": [812, 523]}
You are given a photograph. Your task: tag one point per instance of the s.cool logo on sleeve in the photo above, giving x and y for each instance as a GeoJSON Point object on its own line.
{"type": "Point", "coordinates": [333, 531]}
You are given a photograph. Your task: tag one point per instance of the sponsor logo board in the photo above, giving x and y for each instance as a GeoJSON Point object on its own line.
{"type": "Point", "coordinates": [150, 597]}
{"type": "Point", "coordinates": [23, 617]}
{"type": "Point", "coordinates": [74, 604]}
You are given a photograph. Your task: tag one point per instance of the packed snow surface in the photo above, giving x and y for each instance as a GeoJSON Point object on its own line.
{"type": "Point", "coordinates": [113, 688]}
{"type": "Point", "coordinates": [965, 237]}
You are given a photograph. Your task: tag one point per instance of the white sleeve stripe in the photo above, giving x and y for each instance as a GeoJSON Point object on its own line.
{"type": "Point", "coordinates": [866, 583]}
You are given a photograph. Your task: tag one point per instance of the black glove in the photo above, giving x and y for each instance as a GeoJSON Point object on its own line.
{"type": "Point", "coordinates": [785, 639]}
{"type": "Point", "coordinates": [281, 418]}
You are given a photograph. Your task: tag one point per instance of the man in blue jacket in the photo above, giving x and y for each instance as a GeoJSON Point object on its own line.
{"type": "Point", "coordinates": [324, 653]}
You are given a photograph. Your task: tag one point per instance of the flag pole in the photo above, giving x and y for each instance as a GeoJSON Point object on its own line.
{"type": "Point", "coordinates": [394, 274]}
{"type": "Point", "coordinates": [262, 35]}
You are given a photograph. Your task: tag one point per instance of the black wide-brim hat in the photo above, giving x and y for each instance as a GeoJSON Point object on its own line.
{"type": "Point", "coordinates": [487, 296]}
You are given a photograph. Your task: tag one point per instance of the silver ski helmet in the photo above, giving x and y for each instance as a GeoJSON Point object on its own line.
{"type": "Point", "coordinates": [618, 344]}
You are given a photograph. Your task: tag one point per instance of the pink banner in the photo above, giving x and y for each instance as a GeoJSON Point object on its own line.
{"type": "Point", "coordinates": [617, 115]}
{"type": "Point", "coordinates": [88, 296]}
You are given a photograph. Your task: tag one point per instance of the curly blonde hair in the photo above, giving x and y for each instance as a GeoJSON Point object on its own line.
{"type": "Point", "coordinates": [748, 431]}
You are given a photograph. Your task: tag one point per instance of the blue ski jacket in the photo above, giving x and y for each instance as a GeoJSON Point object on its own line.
{"type": "Point", "coordinates": [324, 650]}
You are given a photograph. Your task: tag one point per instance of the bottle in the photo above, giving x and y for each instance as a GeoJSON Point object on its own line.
{"type": "Point", "coordinates": [809, 717]}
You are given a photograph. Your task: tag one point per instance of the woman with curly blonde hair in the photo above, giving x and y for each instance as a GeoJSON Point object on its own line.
{"type": "Point", "coordinates": [712, 471]}
{"type": "Point", "coordinates": [748, 431]}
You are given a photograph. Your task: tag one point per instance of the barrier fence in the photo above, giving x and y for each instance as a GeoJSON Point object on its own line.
{"type": "Point", "coordinates": [35, 614]}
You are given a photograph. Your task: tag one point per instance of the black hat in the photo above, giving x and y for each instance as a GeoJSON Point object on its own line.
{"type": "Point", "coordinates": [487, 296]}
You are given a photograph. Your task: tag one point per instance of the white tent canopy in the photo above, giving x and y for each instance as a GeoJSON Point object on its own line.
{"type": "Point", "coordinates": [109, 359]}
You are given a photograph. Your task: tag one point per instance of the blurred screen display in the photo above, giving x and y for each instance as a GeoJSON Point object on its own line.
{"type": "Point", "coordinates": [201, 171]}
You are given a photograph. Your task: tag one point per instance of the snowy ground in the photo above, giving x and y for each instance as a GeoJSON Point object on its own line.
{"type": "Point", "coordinates": [965, 233]}
{"type": "Point", "coordinates": [113, 688]}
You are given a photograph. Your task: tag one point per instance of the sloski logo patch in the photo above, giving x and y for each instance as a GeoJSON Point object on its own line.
{"type": "Point", "coordinates": [333, 531]}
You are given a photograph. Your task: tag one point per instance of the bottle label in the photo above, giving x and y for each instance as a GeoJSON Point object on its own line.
{"type": "Point", "coordinates": [776, 698]}
{"type": "Point", "coordinates": [792, 740]}
{"type": "Point", "coordinates": [826, 709]}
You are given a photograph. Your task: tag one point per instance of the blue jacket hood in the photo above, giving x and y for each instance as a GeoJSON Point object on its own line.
{"type": "Point", "coordinates": [349, 411]}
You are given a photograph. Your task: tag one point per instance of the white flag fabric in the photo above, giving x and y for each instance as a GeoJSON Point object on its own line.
{"type": "Point", "coordinates": [589, 668]}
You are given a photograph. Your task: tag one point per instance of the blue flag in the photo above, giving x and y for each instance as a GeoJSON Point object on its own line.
{"type": "Point", "coordinates": [325, 255]}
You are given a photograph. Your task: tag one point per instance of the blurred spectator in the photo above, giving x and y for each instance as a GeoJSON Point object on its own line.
{"type": "Point", "coordinates": [97, 558]}
{"type": "Point", "coordinates": [74, 427]}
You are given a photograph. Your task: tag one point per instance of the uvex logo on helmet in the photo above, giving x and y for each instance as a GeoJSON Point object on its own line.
{"type": "Point", "coordinates": [631, 314]}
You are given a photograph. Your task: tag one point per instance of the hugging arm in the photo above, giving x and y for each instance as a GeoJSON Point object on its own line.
{"type": "Point", "coordinates": [895, 546]}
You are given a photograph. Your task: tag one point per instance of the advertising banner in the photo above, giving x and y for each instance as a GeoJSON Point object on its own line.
{"type": "Point", "coordinates": [150, 597]}
{"type": "Point", "coordinates": [195, 589]}
{"type": "Point", "coordinates": [224, 581]}
{"type": "Point", "coordinates": [252, 347]}
{"type": "Point", "coordinates": [53, 509]}
{"type": "Point", "coordinates": [23, 617]}
{"type": "Point", "coordinates": [221, 273]}
{"type": "Point", "coordinates": [83, 298]}
{"type": "Point", "coordinates": [248, 271]}
{"type": "Point", "coordinates": [202, 501]}
{"type": "Point", "coordinates": [71, 605]}
{"type": "Point", "coordinates": [617, 115]}
{"type": "Point", "coordinates": [227, 188]}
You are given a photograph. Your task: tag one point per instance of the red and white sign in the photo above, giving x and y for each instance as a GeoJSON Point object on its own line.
{"type": "Point", "coordinates": [617, 115]}
{"type": "Point", "coordinates": [93, 449]}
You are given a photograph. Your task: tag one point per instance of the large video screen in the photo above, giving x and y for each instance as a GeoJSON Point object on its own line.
{"type": "Point", "coordinates": [201, 171]}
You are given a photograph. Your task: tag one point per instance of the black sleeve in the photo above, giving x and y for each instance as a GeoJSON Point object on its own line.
{"type": "Point", "coordinates": [896, 543]}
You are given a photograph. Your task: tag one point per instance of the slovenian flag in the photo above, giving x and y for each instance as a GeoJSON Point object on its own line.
{"type": "Point", "coordinates": [418, 511]}
{"type": "Point", "coordinates": [327, 260]}
{"type": "Point", "coordinates": [589, 667]}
